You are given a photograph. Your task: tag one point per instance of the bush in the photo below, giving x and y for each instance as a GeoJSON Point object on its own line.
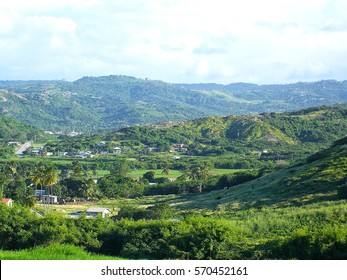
{"type": "Point", "coordinates": [194, 238]}
{"type": "Point", "coordinates": [328, 243]}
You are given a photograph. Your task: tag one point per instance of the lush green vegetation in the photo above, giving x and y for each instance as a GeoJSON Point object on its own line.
{"type": "Point", "coordinates": [317, 231]}
{"type": "Point", "coordinates": [268, 186]}
{"type": "Point", "coordinates": [112, 102]}
{"type": "Point", "coordinates": [53, 252]}
{"type": "Point", "coordinates": [238, 141]}
{"type": "Point", "coordinates": [13, 132]}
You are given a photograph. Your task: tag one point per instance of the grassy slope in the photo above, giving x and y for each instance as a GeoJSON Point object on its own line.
{"type": "Point", "coordinates": [53, 252]}
{"type": "Point", "coordinates": [314, 125]}
{"type": "Point", "coordinates": [307, 182]}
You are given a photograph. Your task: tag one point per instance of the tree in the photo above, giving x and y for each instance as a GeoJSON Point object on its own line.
{"type": "Point", "coordinates": [88, 189]}
{"type": "Point", "coordinates": [201, 171]}
{"type": "Point", "coordinates": [45, 177]}
{"type": "Point", "coordinates": [77, 170]}
{"type": "Point", "coordinates": [38, 174]}
{"type": "Point", "coordinates": [10, 170]}
{"type": "Point", "coordinates": [95, 169]}
{"type": "Point", "coordinates": [50, 178]}
{"type": "Point", "coordinates": [159, 211]}
{"type": "Point", "coordinates": [149, 176]}
{"type": "Point", "coordinates": [29, 201]}
{"type": "Point", "coordinates": [166, 169]}
{"type": "Point", "coordinates": [120, 168]}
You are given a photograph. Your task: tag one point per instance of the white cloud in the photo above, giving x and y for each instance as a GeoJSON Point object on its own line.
{"type": "Point", "coordinates": [224, 41]}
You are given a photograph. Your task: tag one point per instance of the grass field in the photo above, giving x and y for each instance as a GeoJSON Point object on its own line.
{"type": "Point", "coordinates": [53, 252]}
{"type": "Point", "coordinates": [136, 174]}
{"type": "Point", "coordinates": [174, 174]}
{"type": "Point", "coordinates": [220, 171]}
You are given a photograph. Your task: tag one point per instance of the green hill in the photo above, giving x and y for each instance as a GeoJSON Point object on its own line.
{"type": "Point", "coordinates": [241, 142]}
{"type": "Point", "coordinates": [316, 126]}
{"type": "Point", "coordinates": [112, 102]}
{"type": "Point", "coordinates": [322, 177]}
{"type": "Point", "coordinates": [11, 129]}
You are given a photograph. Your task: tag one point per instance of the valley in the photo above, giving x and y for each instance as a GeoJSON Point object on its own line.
{"type": "Point", "coordinates": [257, 184]}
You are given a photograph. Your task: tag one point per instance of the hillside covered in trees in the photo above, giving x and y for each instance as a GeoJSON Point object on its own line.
{"type": "Point", "coordinates": [11, 129]}
{"type": "Point", "coordinates": [13, 132]}
{"type": "Point", "coordinates": [112, 102]}
{"type": "Point", "coordinates": [264, 136]}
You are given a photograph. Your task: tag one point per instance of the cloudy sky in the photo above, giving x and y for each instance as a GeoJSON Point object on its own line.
{"type": "Point", "coordinates": [223, 41]}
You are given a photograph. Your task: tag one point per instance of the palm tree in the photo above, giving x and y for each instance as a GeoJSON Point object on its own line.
{"type": "Point", "coordinates": [50, 178]}
{"type": "Point", "coordinates": [87, 189]}
{"type": "Point", "coordinates": [201, 172]}
{"type": "Point", "coordinates": [45, 177]}
{"type": "Point", "coordinates": [38, 175]}
{"type": "Point", "coordinates": [10, 170]}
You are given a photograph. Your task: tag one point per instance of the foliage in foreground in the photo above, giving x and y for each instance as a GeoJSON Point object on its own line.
{"type": "Point", "coordinates": [54, 251]}
{"type": "Point", "coordinates": [317, 231]}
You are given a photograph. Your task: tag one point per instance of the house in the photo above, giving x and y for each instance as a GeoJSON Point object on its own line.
{"type": "Point", "coordinates": [13, 143]}
{"type": "Point", "coordinates": [178, 147]}
{"type": "Point", "coordinates": [7, 201]}
{"type": "Point", "coordinates": [94, 211]}
{"type": "Point", "coordinates": [73, 134]}
{"type": "Point", "coordinates": [81, 155]}
{"type": "Point", "coordinates": [39, 193]}
{"type": "Point", "coordinates": [88, 154]}
{"type": "Point", "coordinates": [101, 144]}
{"type": "Point", "coordinates": [117, 150]}
{"type": "Point", "coordinates": [35, 152]}
{"type": "Point", "coordinates": [49, 199]}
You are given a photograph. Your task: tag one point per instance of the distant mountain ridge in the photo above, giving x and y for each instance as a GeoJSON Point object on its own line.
{"type": "Point", "coordinates": [112, 102]}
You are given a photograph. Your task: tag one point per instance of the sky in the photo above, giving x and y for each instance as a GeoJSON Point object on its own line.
{"type": "Point", "coordinates": [177, 41]}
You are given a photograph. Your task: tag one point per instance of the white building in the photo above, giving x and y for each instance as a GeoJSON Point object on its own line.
{"type": "Point", "coordinates": [49, 199]}
{"type": "Point", "coordinates": [94, 211]}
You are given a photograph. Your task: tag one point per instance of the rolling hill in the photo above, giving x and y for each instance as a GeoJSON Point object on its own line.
{"type": "Point", "coordinates": [316, 126]}
{"type": "Point", "coordinates": [12, 130]}
{"type": "Point", "coordinates": [112, 102]}
{"type": "Point", "coordinates": [316, 179]}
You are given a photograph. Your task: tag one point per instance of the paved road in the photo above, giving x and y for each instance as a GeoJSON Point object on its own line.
{"type": "Point", "coordinates": [23, 148]}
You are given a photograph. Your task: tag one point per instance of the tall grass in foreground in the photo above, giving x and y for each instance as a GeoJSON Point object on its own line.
{"type": "Point", "coordinates": [53, 252]}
